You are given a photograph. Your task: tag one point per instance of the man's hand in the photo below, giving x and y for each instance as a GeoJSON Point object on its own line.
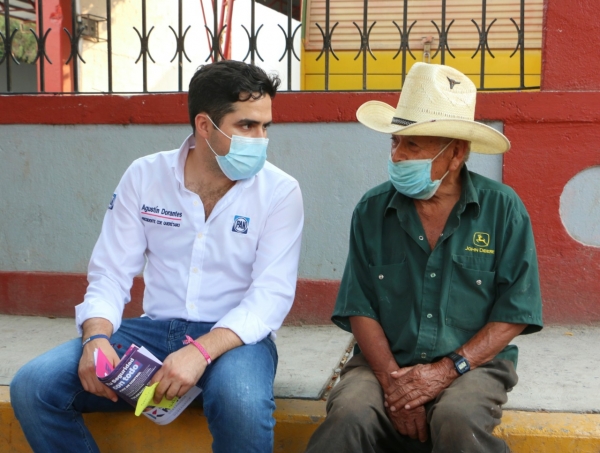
{"type": "Point", "coordinates": [184, 368]}
{"type": "Point", "coordinates": [414, 386]}
{"type": "Point", "coordinates": [411, 423]}
{"type": "Point", "coordinates": [180, 371]}
{"type": "Point", "coordinates": [87, 368]}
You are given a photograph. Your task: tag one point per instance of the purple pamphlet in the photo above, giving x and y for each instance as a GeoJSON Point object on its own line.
{"type": "Point", "coordinates": [131, 375]}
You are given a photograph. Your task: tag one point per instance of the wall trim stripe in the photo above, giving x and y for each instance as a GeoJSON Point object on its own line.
{"type": "Point", "coordinates": [55, 294]}
{"type": "Point", "coordinates": [302, 107]}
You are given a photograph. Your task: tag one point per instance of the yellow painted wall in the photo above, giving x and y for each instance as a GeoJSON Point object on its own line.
{"type": "Point", "coordinates": [385, 73]}
{"type": "Point", "coordinates": [525, 432]}
{"type": "Point", "coordinates": [386, 18]}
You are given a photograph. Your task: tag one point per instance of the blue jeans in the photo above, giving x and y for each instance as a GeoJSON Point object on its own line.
{"type": "Point", "coordinates": [237, 390]}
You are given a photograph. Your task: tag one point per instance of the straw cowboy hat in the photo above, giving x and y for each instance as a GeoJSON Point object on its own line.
{"type": "Point", "coordinates": [436, 101]}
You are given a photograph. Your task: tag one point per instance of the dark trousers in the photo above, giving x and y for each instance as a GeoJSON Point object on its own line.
{"type": "Point", "coordinates": [460, 419]}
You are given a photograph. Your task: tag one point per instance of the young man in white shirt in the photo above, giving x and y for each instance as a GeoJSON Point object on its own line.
{"type": "Point", "coordinates": [216, 231]}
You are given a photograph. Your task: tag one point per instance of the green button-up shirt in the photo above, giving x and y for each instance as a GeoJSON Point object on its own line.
{"type": "Point", "coordinates": [430, 302]}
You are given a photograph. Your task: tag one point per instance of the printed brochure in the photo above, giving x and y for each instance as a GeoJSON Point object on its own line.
{"type": "Point", "coordinates": [129, 380]}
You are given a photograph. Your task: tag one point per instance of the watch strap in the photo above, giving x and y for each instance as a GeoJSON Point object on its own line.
{"type": "Point", "coordinates": [460, 363]}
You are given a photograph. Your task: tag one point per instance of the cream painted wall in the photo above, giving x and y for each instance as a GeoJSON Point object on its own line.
{"type": "Point", "coordinates": [163, 75]}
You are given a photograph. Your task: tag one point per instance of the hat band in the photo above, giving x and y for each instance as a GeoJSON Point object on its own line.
{"type": "Point", "coordinates": [402, 121]}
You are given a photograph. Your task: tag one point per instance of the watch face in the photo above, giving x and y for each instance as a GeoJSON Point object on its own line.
{"type": "Point", "coordinates": [462, 366]}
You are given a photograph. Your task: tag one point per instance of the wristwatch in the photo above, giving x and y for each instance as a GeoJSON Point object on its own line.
{"type": "Point", "coordinates": [460, 363]}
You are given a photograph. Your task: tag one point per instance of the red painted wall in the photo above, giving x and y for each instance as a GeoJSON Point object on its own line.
{"type": "Point", "coordinates": [555, 149]}
{"type": "Point", "coordinates": [570, 54]}
{"type": "Point", "coordinates": [58, 75]}
{"type": "Point", "coordinates": [555, 134]}
{"type": "Point", "coordinates": [55, 294]}
{"type": "Point", "coordinates": [550, 154]}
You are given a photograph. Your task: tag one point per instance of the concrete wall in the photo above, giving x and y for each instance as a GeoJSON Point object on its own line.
{"type": "Point", "coordinates": [553, 166]}
{"type": "Point", "coordinates": [23, 78]}
{"type": "Point", "coordinates": [56, 182]}
{"type": "Point", "coordinates": [553, 134]}
{"type": "Point", "coordinates": [580, 196]}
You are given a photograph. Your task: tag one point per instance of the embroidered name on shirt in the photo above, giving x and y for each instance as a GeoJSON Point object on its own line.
{"type": "Point", "coordinates": [240, 224]}
{"type": "Point", "coordinates": [161, 216]}
{"type": "Point", "coordinates": [479, 250]}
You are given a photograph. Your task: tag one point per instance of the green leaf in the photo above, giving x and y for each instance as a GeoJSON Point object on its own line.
{"type": "Point", "coordinates": [24, 45]}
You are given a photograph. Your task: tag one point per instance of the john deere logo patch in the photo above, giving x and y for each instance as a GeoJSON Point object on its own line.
{"type": "Point", "coordinates": [481, 239]}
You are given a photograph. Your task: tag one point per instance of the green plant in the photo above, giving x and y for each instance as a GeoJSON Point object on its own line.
{"type": "Point", "coordinates": [24, 45]}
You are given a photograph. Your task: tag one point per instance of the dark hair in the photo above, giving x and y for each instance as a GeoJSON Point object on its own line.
{"type": "Point", "coordinates": [215, 87]}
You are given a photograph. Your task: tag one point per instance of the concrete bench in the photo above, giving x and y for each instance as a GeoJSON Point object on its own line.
{"type": "Point", "coordinates": [310, 356]}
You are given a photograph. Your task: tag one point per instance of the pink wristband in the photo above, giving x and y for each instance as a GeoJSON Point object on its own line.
{"type": "Point", "coordinates": [190, 340]}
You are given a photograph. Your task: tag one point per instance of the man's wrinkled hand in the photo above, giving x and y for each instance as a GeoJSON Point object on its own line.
{"type": "Point", "coordinates": [87, 368]}
{"type": "Point", "coordinates": [411, 423]}
{"type": "Point", "coordinates": [417, 386]}
{"type": "Point", "coordinates": [180, 371]}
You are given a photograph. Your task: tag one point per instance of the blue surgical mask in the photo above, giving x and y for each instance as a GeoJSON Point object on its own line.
{"type": "Point", "coordinates": [413, 177]}
{"type": "Point", "coordinates": [246, 156]}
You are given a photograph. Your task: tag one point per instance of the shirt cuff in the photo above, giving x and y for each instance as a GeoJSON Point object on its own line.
{"type": "Point", "coordinates": [245, 324]}
{"type": "Point", "coordinates": [95, 308]}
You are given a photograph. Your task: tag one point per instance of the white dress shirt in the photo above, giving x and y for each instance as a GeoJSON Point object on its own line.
{"type": "Point", "coordinates": [238, 268]}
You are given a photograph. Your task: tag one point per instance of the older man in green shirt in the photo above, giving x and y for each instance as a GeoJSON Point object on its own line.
{"type": "Point", "coordinates": [441, 275]}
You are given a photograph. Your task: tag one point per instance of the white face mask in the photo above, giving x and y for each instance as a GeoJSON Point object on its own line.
{"type": "Point", "coordinates": [246, 156]}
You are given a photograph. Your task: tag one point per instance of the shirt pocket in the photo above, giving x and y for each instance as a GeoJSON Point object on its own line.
{"type": "Point", "coordinates": [393, 291]}
{"type": "Point", "coordinates": [472, 293]}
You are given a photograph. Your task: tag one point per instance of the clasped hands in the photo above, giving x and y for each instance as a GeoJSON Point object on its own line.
{"type": "Point", "coordinates": [409, 389]}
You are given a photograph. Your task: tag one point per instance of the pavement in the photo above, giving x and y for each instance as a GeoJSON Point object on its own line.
{"type": "Point", "coordinates": [559, 370]}
{"type": "Point", "coordinates": [559, 367]}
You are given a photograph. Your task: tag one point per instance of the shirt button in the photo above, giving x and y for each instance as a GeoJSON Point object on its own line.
{"type": "Point", "coordinates": [421, 238]}
{"type": "Point", "coordinates": [196, 203]}
{"type": "Point", "coordinates": [195, 270]}
{"type": "Point", "coordinates": [478, 282]}
{"type": "Point", "coordinates": [441, 234]}
{"type": "Point", "coordinates": [429, 315]}
{"type": "Point", "coordinates": [199, 235]}
{"type": "Point", "coordinates": [423, 355]}
{"type": "Point", "coordinates": [432, 275]}
{"type": "Point", "coordinates": [191, 306]}
{"type": "Point", "coordinates": [380, 276]}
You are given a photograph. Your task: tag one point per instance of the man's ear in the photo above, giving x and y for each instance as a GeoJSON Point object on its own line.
{"type": "Point", "coordinates": [459, 153]}
{"type": "Point", "coordinates": [203, 125]}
